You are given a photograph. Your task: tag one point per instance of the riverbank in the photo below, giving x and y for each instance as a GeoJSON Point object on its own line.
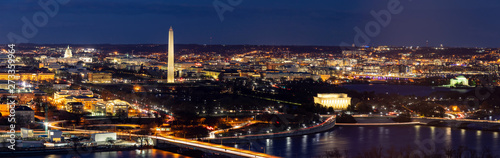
{"type": "Point", "coordinates": [470, 124]}
{"type": "Point", "coordinates": [378, 124]}
{"type": "Point", "coordinates": [67, 150]}
{"type": "Point", "coordinates": [361, 139]}
{"type": "Point", "coordinates": [150, 153]}
{"type": "Point", "coordinates": [328, 124]}
{"type": "Point", "coordinates": [418, 90]}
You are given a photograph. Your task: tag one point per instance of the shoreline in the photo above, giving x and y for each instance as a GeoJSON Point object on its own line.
{"type": "Point", "coordinates": [66, 151]}
{"type": "Point", "coordinates": [327, 125]}
{"type": "Point", "coordinates": [379, 124]}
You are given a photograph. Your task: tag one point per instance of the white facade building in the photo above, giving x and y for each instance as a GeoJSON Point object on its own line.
{"type": "Point", "coordinates": [338, 101]}
{"type": "Point", "coordinates": [103, 137]}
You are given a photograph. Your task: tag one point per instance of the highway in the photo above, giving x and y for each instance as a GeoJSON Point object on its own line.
{"type": "Point", "coordinates": [377, 124]}
{"type": "Point", "coordinates": [213, 147]}
{"type": "Point", "coordinates": [171, 139]}
{"type": "Point", "coordinates": [328, 120]}
{"type": "Point", "coordinates": [464, 120]}
{"type": "Point", "coordinates": [176, 141]}
{"type": "Point", "coordinates": [431, 118]}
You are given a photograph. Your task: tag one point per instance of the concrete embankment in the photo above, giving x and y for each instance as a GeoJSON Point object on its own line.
{"type": "Point", "coordinates": [486, 125]}
{"type": "Point", "coordinates": [326, 125]}
{"type": "Point", "coordinates": [63, 150]}
{"type": "Point", "coordinates": [377, 119]}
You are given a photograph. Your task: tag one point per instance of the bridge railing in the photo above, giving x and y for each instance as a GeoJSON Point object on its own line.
{"type": "Point", "coordinates": [463, 120]}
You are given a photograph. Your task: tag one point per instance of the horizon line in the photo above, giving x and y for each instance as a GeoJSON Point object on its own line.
{"type": "Point", "coordinates": [282, 45]}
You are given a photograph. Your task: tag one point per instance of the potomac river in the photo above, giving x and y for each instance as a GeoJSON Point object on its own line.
{"type": "Point", "coordinates": [355, 139]}
{"type": "Point", "coordinates": [400, 89]}
{"type": "Point", "coordinates": [358, 139]}
{"type": "Point", "coordinates": [146, 153]}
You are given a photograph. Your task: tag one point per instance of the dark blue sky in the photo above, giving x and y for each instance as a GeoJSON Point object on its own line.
{"type": "Point", "coordinates": [268, 22]}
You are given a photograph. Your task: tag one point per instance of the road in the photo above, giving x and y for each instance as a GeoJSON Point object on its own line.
{"type": "Point", "coordinates": [377, 124]}
{"type": "Point", "coordinates": [328, 120]}
{"type": "Point", "coordinates": [175, 140]}
{"type": "Point", "coordinates": [464, 120]}
{"type": "Point", "coordinates": [171, 139]}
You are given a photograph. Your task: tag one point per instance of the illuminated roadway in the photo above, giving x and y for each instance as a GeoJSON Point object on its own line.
{"type": "Point", "coordinates": [433, 118]}
{"type": "Point", "coordinates": [463, 120]}
{"type": "Point", "coordinates": [329, 120]}
{"type": "Point", "coordinates": [174, 140]}
{"type": "Point", "coordinates": [377, 124]}
{"type": "Point", "coordinates": [177, 141]}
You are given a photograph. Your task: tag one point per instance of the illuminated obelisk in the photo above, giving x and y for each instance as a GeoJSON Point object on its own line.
{"type": "Point", "coordinates": [170, 73]}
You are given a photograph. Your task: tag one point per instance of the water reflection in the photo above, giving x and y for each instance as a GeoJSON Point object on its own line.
{"type": "Point", "coordinates": [361, 134]}
{"type": "Point", "coordinates": [400, 89]}
{"type": "Point", "coordinates": [147, 153]}
{"type": "Point", "coordinates": [448, 137]}
{"type": "Point", "coordinates": [433, 133]}
{"type": "Point", "coordinates": [359, 139]}
{"type": "Point", "coordinates": [288, 145]}
{"type": "Point", "coordinates": [495, 139]}
{"type": "Point", "coordinates": [304, 143]}
{"type": "Point", "coordinates": [478, 138]}
{"type": "Point", "coordinates": [417, 132]}
{"type": "Point", "coordinates": [462, 134]}
{"type": "Point", "coordinates": [269, 146]}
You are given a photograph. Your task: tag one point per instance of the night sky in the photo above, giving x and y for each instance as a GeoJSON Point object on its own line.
{"type": "Point", "coordinates": [457, 23]}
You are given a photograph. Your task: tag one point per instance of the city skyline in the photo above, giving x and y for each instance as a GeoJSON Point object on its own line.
{"type": "Point", "coordinates": [312, 23]}
{"type": "Point", "coordinates": [249, 78]}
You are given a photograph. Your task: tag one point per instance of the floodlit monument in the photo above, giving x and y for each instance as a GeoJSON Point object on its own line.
{"type": "Point", "coordinates": [338, 101]}
{"type": "Point", "coordinates": [459, 81]}
{"type": "Point", "coordinates": [170, 73]}
{"type": "Point", "coordinates": [68, 53]}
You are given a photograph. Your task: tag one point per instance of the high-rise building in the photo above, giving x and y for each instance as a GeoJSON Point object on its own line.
{"type": "Point", "coordinates": [68, 53]}
{"type": "Point", "coordinates": [170, 73]}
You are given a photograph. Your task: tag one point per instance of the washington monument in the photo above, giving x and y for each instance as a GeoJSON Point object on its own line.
{"type": "Point", "coordinates": [170, 73]}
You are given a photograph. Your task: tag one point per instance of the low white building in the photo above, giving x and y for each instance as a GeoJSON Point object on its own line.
{"type": "Point", "coordinates": [338, 101]}
{"type": "Point", "coordinates": [26, 133]}
{"type": "Point", "coordinates": [103, 137]}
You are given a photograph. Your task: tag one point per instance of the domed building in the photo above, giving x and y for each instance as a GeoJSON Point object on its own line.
{"type": "Point", "coordinates": [337, 101]}
{"type": "Point", "coordinates": [459, 81]}
{"type": "Point", "coordinates": [68, 53]}
{"type": "Point", "coordinates": [67, 58]}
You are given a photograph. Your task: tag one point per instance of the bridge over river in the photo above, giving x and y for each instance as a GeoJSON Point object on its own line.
{"type": "Point", "coordinates": [460, 123]}
{"type": "Point", "coordinates": [181, 142]}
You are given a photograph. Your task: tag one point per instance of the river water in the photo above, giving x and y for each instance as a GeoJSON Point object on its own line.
{"type": "Point", "coordinates": [354, 139]}
{"type": "Point", "coordinates": [359, 139]}
{"type": "Point", "coordinates": [146, 153]}
{"type": "Point", "coordinates": [400, 89]}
